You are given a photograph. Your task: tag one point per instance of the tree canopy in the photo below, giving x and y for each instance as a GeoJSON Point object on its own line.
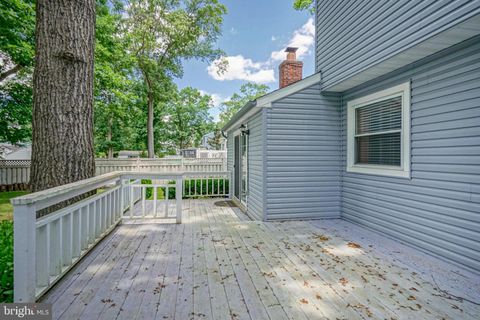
{"type": "Point", "coordinates": [139, 51]}
{"type": "Point", "coordinates": [248, 92]}
{"type": "Point", "coordinates": [304, 5]}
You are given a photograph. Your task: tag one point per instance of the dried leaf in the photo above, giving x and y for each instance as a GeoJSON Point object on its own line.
{"type": "Point", "coordinates": [343, 281]}
{"type": "Point", "coordinates": [354, 245]}
{"type": "Point", "coordinates": [304, 301]}
{"type": "Point", "coordinates": [321, 237]}
{"type": "Point", "coordinates": [319, 297]}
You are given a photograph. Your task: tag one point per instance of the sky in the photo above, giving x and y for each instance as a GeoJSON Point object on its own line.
{"type": "Point", "coordinates": [255, 34]}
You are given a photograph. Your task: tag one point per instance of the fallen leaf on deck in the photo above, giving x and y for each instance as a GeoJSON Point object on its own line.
{"type": "Point", "coordinates": [321, 237]}
{"type": "Point", "coordinates": [343, 281]}
{"type": "Point", "coordinates": [354, 245]}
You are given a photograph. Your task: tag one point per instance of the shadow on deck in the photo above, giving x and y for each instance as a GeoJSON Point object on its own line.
{"type": "Point", "coordinates": [219, 265]}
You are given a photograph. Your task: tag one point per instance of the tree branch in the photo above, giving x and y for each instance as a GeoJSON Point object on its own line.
{"type": "Point", "coordinates": [8, 73]}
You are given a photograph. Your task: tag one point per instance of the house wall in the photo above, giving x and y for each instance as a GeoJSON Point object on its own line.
{"type": "Point", "coordinates": [438, 209]}
{"type": "Point", "coordinates": [355, 34]}
{"type": "Point", "coordinates": [303, 156]}
{"type": "Point", "coordinates": [255, 165]}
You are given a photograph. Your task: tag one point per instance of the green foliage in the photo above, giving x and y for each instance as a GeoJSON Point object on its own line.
{"type": "Point", "coordinates": [304, 5]}
{"type": "Point", "coordinates": [163, 33]}
{"type": "Point", "coordinates": [6, 209]}
{"type": "Point", "coordinates": [6, 261]}
{"type": "Point", "coordinates": [187, 119]}
{"type": "Point", "coordinates": [204, 187]}
{"type": "Point", "coordinates": [15, 112]}
{"type": "Point", "coordinates": [17, 43]}
{"type": "Point", "coordinates": [17, 29]}
{"type": "Point", "coordinates": [114, 87]}
{"type": "Point", "coordinates": [248, 92]}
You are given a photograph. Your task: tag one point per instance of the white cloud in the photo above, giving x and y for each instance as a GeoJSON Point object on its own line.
{"type": "Point", "coordinates": [240, 68]}
{"type": "Point", "coordinates": [303, 39]}
{"type": "Point", "coordinates": [217, 99]}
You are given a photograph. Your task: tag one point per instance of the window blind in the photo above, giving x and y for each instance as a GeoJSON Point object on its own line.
{"type": "Point", "coordinates": [378, 132]}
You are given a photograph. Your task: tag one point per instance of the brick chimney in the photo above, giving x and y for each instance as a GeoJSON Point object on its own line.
{"type": "Point", "coordinates": [290, 70]}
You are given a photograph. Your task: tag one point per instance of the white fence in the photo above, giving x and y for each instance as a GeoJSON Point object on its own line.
{"type": "Point", "coordinates": [14, 172]}
{"type": "Point", "coordinates": [47, 247]}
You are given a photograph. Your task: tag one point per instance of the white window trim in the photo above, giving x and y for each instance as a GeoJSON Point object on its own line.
{"type": "Point", "coordinates": [402, 90]}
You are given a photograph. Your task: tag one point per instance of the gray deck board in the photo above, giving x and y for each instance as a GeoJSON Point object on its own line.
{"type": "Point", "coordinates": [219, 265]}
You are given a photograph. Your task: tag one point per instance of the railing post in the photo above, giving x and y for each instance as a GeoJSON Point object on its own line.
{"type": "Point", "coordinates": [179, 197]}
{"type": "Point", "coordinates": [24, 253]}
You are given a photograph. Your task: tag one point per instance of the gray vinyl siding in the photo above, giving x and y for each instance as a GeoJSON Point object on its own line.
{"type": "Point", "coordinates": [255, 167]}
{"type": "Point", "coordinates": [230, 156]}
{"type": "Point", "coordinates": [438, 209]}
{"type": "Point", "coordinates": [303, 154]}
{"type": "Point", "coordinates": [355, 34]}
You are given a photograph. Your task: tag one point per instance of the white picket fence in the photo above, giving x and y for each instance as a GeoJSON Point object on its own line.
{"type": "Point", "coordinates": [47, 247]}
{"type": "Point", "coordinates": [18, 171]}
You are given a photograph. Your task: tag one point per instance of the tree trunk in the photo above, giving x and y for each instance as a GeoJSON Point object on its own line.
{"type": "Point", "coordinates": [150, 138]}
{"type": "Point", "coordinates": [62, 144]}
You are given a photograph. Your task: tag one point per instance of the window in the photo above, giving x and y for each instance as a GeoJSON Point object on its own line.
{"type": "Point", "coordinates": [378, 137]}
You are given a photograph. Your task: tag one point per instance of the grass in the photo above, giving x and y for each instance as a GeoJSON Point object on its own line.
{"type": "Point", "coordinates": [6, 244]}
{"type": "Point", "coordinates": [6, 209]}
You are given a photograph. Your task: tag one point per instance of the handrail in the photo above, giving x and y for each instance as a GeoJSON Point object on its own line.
{"type": "Point", "coordinates": [46, 248]}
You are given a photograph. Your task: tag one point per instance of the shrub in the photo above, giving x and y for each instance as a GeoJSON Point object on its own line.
{"type": "Point", "coordinates": [6, 261]}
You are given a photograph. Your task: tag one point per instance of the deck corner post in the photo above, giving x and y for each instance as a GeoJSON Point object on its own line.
{"type": "Point", "coordinates": [178, 197]}
{"type": "Point", "coordinates": [24, 253]}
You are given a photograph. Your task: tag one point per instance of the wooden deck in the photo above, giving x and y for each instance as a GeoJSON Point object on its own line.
{"type": "Point", "coordinates": [219, 265]}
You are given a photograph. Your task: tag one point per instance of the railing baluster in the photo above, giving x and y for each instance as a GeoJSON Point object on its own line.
{"type": "Point", "coordinates": [91, 227]}
{"type": "Point", "coordinates": [178, 199]}
{"type": "Point", "coordinates": [144, 196]}
{"type": "Point", "coordinates": [67, 226]}
{"type": "Point", "coordinates": [42, 257]}
{"type": "Point", "coordinates": [154, 214]}
{"type": "Point", "coordinates": [166, 201]}
{"type": "Point", "coordinates": [131, 200]}
{"type": "Point", "coordinates": [84, 235]}
{"type": "Point", "coordinates": [76, 234]}
{"type": "Point", "coordinates": [55, 248]}
{"type": "Point", "coordinates": [98, 218]}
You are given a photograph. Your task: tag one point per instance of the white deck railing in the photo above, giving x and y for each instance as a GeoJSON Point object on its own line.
{"type": "Point", "coordinates": [14, 172]}
{"type": "Point", "coordinates": [47, 247]}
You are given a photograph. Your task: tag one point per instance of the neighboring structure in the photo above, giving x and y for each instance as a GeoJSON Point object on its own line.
{"type": "Point", "coordinates": [129, 154]}
{"type": "Point", "coordinates": [198, 153]}
{"type": "Point", "coordinates": [386, 133]}
{"type": "Point", "coordinates": [14, 152]}
{"type": "Point", "coordinates": [206, 139]}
